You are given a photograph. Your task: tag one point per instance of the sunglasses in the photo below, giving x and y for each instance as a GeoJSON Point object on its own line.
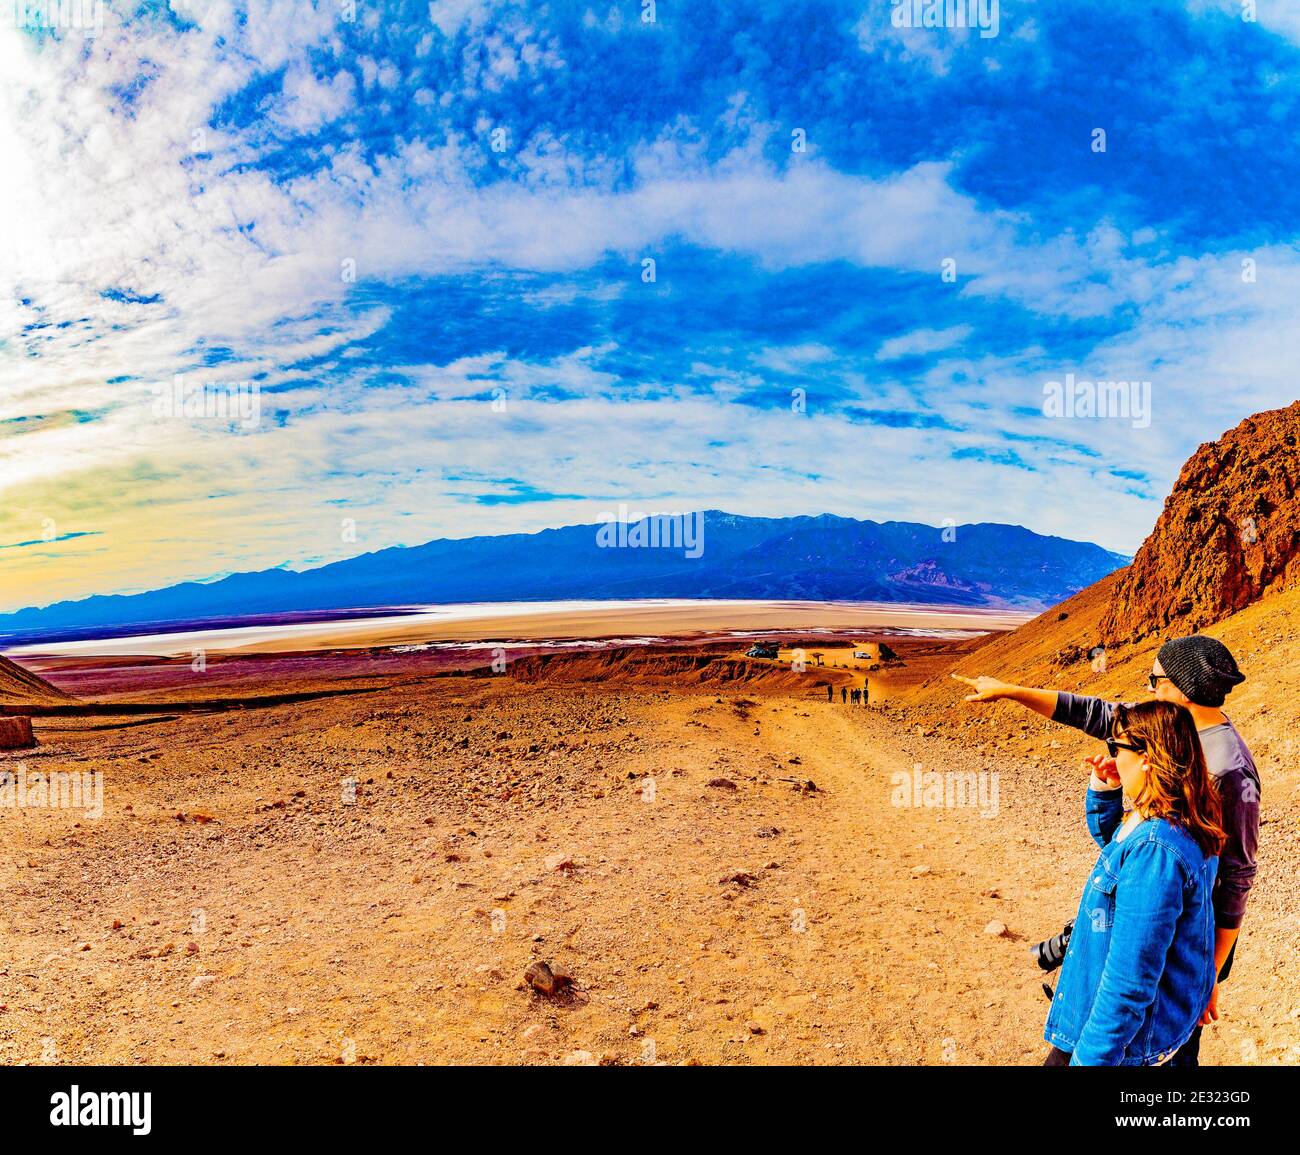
{"type": "Point", "coordinates": [1113, 747]}
{"type": "Point", "coordinates": [1153, 680]}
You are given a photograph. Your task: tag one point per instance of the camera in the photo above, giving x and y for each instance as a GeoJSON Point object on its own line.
{"type": "Point", "coordinates": [1050, 953]}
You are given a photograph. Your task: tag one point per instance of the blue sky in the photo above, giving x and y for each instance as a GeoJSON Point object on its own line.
{"type": "Point", "coordinates": [418, 234]}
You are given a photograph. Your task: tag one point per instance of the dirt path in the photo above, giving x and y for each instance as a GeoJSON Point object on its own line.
{"type": "Point", "coordinates": [905, 892]}
{"type": "Point", "coordinates": [708, 909]}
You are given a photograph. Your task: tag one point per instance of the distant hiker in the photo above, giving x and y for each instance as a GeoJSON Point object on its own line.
{"type": "Point", "coordinates": [854, 695]}
{"type": "Point", "coordinates": [866, 690]}
{"type": "Point", "coordinates": [844, 695]}
{"type": "Point", "coordinates": [1139, 969]}
{"type": "Point", "coordinates": [830, 693]}
{"type": "Point", "coordinates": [1195, 672]}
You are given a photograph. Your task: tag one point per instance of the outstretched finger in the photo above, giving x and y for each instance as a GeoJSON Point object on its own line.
{"type": "Point", "coordinates": [968, 681]}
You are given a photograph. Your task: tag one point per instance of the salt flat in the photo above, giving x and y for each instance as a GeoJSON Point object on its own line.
{"type": "Point", "coordinates": [543, 621]}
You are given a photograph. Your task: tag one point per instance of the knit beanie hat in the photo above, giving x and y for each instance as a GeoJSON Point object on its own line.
{"type": "Point", "coordinates": [1203, 668]}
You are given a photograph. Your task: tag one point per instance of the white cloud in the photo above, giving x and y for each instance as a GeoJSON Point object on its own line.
{"type": "Point", "coordinates": [921, 341]}
{"type": "Point", "coordinates": [450, 16]}
{"type": "Point", "coordinates": [310, 101]}
{"type": "Point", "coordinates": [1278, 16]}
{"type": "Point", "coordinates": [159, 202]}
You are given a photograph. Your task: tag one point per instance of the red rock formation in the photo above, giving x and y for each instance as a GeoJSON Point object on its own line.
{"type": "Point", "coordinates": [1229, 534]}
{"type": "Point", "coordinates": [16, 733]}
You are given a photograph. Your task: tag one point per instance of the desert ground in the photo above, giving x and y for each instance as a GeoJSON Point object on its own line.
{"type": "Point", "coordinates": [730, 868]}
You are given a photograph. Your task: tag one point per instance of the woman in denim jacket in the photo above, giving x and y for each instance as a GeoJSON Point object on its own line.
{"type": "Point", "coordinates": [1140, 965]}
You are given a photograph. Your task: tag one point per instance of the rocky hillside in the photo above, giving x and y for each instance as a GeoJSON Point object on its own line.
{"type": "Point", "coordinates": [677, 668]}
{"type": "Point", "coordinates": [1229, 534]}
{"type": "Point", "coordinates": [19, 687]}
{"type": "Point", "coordinates": [1223, 559]}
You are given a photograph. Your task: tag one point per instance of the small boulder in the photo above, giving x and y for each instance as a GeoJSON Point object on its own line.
{"type": "Point", "coordinates": [547, 980]}
{"type": "Point", "coordinates": [16, 733]}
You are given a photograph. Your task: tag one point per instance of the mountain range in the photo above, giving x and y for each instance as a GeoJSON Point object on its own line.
{"type": "Point", "coordinates": [820, 558]}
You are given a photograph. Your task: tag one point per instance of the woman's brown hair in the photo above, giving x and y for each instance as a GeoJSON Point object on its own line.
{"type": "Point", "coordinates": [1178, 785]}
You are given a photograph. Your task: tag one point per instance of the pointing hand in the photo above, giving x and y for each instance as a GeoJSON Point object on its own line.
{"type": "Point", "coordinates": [986, 689]}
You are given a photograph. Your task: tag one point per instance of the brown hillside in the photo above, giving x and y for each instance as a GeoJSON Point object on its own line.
{"type": "Point", "coordinates": [1264, 638]}
{"type": "Point", "coordinates": [1197, 572]}
{"type": "Point", "coordinates": [1050, 650]}
{"type": "Point", "coordinates": [1229, 533]}
{"type": "Point", "coordinates": [629, 665]}
{"type": "Point", "coordinates": [19, 687]}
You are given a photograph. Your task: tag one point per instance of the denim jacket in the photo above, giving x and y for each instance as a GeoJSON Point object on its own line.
{"type": "Point", "coordinates": [1140, 965]}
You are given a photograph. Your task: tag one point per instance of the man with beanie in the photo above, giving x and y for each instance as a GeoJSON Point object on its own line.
{"type": "Point", "coordinates": [1196, 672]}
